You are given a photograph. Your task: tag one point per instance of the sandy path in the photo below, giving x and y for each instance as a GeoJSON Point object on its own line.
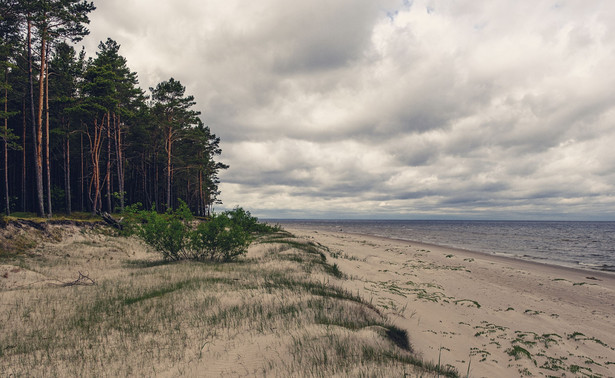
{"type": "Point", "coordinates": [475, 310]}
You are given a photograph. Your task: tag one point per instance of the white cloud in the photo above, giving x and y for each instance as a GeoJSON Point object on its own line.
{"type": "Point", "coordinates": [356, 108]}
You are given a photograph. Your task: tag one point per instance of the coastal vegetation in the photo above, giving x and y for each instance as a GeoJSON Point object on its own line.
{"type": "Point", "coordinates": [86, 298]}
{"type": "Point", "coordinates": [79, 134]}
{"type": "Point", "coordinates": [223, 237]}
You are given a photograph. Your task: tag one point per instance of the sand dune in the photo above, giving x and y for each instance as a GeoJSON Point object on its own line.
{"type": "Point", "coordinates": [280, 311]}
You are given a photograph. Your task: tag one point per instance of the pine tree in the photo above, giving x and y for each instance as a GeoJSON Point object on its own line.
{"type": "Point", "coordinates": [9, 38]}
{"type": "Point", "coordinates": [55, 20]}
{"type": "Point", "coordinates": [99, 99]}
{"type": "Point", "coordinates": [129, 98]}
{"type": "Point", "coordinates": [67, 70]}
{"type": "Point", "coordinates": [198, 149]}
{"type": "Point", "coordinates": [173, 115]}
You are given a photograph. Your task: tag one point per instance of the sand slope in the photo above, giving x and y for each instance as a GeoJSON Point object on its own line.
{"type": "Point", "coordinates": [277, 312]}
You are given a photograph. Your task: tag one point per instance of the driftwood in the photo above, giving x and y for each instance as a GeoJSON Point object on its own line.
{"type": "Point", "coordinates": [83, 280]}
{"type": "Point", "coordinates": [112, 221]}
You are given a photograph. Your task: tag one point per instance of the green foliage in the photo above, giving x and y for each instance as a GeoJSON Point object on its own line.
{"type": "Point", "coordinates": [335, 270]}
{"type": "Point", "coordinates": [165, 232]}
{"type": "Point", "coordinates": [224, 237]}
{"type": "Point", "coordinates": [183, 212]}
{"type": "Point", "coordinates": [221, 238]}
{"type": "Point", "coordinates": [249, 223]}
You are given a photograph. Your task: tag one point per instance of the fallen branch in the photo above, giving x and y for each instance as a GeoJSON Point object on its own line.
{"type": "Point", "coordinates": [83, 280]}
{"type": "Point", "coordinates": [111, 221]}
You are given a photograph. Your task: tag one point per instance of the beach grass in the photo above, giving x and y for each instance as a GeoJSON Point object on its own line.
{"type": "Point", "coordinates": [274, 313]}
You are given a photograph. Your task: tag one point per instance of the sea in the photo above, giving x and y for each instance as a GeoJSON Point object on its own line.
{"type": "Point", "coordinates": [584, 245]}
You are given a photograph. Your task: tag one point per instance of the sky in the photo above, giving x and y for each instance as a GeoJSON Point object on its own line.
{"type": "Point", "coordinates": [386, 109]}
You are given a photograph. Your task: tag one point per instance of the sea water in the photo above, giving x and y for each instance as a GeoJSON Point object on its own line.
{"type": "Point", "coordinates": [587, 245]}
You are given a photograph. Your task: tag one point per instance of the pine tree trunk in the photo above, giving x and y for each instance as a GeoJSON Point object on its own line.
{"type": "Point", "coordinates": [6, 171]}
{"type": "Point", "coordinates": [47, 162]}
{"type": "Point", "coordinates": [202, 195]}
{"type": "Point", "coordinates": [146, 188]}
{"type": "Point", "coordinates": [188, 191]}
{"type": "Point", "coordinates": [6, 147]}
{"type": "Point", "coordinates": [40, 210]}
{"type": "Point", "coordinates": [39, 128]}
{"type": "Point", "coordinates": [119, 157]}
{"type": "Point", "coordinates": [81, 194]}
{"type": "Point", "coordinates": [67, 174]}
{"type": "Point", "coordinates": [23, 157]}
{"type": "Point", "coordinates": [156, 183]}
{"type": "Point", "coordinates": [169, 145]}
{"type": "Point", "coordinates": [95, 146]}
{"type": "Point", "coordinates": [108, 183]}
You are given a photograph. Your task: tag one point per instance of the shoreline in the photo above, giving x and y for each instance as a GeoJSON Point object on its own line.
{"type": "Point", "coordinates": [496, 315]}
{"type": "Point", "coordinates": [516, 257]}
{"type": "Point", "coordinates": [504, 256]}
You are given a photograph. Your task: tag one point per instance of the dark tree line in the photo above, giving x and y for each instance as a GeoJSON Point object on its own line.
{"type": "Point", "coordinates": [79, 133]}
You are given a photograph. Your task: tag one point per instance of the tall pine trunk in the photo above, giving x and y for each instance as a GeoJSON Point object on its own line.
{"type": "Point", "coordinates": [119, 158]}
{"type": "Point", "coordinates": [169, 146]}
{"type": "Point", "coordinates": [156, 183]}
{"type": "Point", "coordinates": [95, 147]}
{"type": "Point", "coordinates": [67, 174]}
{"type": "Point", "coordinates": [6, 142]}
{"type": "Point", "coordinates": [108, 174]}
{"type": "Point", "coordinates": [81, 194]}
{"type": "Point", "coordinates": [23, 156]}
{"type": "Point", "coordinates": [47, 162]}
{"type": "Point", "coordinates": [39, 126]}
{"type": "Point", "coordinates": [40, 209]}
{"type": "Point", "coordinates": [201, 202]}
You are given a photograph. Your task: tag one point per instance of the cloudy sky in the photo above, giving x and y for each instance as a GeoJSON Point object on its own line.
{"type": "Point", "coordinates": [477, 109]}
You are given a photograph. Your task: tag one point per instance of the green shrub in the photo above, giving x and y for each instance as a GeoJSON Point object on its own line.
{"type": "Point", "coordinates": [249, 223]}
{"type": "Point", "coordinates": [220, 239]}
{"type": "Point", "coordinates": [223, 237]}
{"type": "Point", "coordinates": [166, 233]}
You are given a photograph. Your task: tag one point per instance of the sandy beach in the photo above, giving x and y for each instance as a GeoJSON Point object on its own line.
{"type": "Point", "coordinates": [491, 315]}
{"type": "Point", "coordinates": [316, 304]}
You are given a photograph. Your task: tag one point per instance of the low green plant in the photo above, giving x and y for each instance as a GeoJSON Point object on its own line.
{"type": "Point", "coordinates": [249, 223]}
{"type": "Point", "coordinates": [223, 237]}
{"type": "Point", "coordinates": [166, 232]}
{"type": "Point", "coordinates": [335, 271]}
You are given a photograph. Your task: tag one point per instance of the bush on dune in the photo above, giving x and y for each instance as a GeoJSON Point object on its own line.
{"type": "Point", "coordinates": [165, 232]}
{"type": "Point", "coordinates": [219, 239]}
{"type": "Point", "coordinates": [223, 237]}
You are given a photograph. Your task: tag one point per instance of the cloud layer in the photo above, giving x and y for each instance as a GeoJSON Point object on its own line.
{"type": "Point", "coordinates": [392, 109]}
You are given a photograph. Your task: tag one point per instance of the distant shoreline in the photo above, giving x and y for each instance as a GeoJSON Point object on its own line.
{"type": "Point", "coordinates": [606, 268]}
{"type": "Point", "coordinates": [496, 256]}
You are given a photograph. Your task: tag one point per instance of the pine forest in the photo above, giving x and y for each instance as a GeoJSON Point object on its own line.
{"type": "Point", "coordinates": [79, 134]}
